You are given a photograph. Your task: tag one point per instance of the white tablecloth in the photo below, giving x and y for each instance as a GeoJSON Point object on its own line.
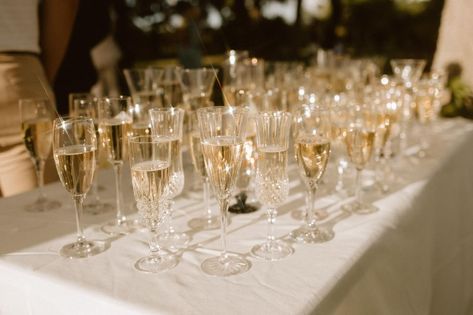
{"type": "Point", "coordinates": [414, 256]}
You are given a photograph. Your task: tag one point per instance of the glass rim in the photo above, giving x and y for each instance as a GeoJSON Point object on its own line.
{"type": "Point", "coordinates": [166, 110]}
{"type": "Point", "coordinates": [68, 119]}
{"type": "Point", "coordinates": [201, 69]}
{"type": "Point", "coordinates": [274, 113]}
{"type": "Point", "coordinates": [229, 108]}
{"type": "Point", "coordinates": [114, 98]}
{"type": "Point", "coordinates": [151, 138]}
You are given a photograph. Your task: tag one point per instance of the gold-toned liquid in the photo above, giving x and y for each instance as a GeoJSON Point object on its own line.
{"type": "Point", "coordinates": [223, 155]}
{"type": "Point", "coordinates": [272, 183]}
{"type": "Point", "coordinates": [76, 166]}
{"type": "Point", "coordinates": [148, 99]}
{"type": "Point", "coordinates": [359, 144]}
{"type": "Point", "coordinates": [115, 136]}
{"type": "Point", "coordinates": [38, 137]}
{"type": "Point", "coordinates": [312, 153]}
{"type": "Point", "coordinates": [194, 102]}
{"type": "Point", "coordinates": [150, 180]}
{"type": "Point", "coordinates": [425, 108]}
{"type": "Point", "coordinates": [196, 153]}
{"type": "Point", "coordinates": [141, 129]}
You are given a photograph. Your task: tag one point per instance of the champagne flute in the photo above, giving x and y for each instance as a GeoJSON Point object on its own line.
{"type": "Point", "coordinates": [359, 140]}
{"type": "Point", "coordinates": [85, 105]}
{"type": "Point", "coordinates": [208, 221]}
{"type": "Point", "coordinates": [312, 149]}
{"type": "Point", "coordinates": [197, 85]}
{"type": "Point", "coordinates": [74, 147]}
{"type": "Point", "coordinates": [272, 182]}
{"type": "Point", "coordinates": [222, 132]}
{"type": "Point", "coordinates": [171, 87]}
{"type": "Point", "coordinates": [150, 162]}
{"type": "Point", "coordinates": [115, 119]}
{"type": "Point", "coordinates": [144, 85]}
{"type": "Point", "coordinates": [168, 123]}
{"type": "Point", "coordinates": [37, 117]}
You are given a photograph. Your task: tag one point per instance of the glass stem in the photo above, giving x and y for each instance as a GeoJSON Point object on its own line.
{"type": "Point", "coordinates": [223, 203]}
{"type": "Point", "coordinates": [117, 168]}
{"type": "Point", "coordinates": [272, 213]}
{"type": "Point", "coordinates": [153, 241]}
{"type": "Point", "coordinates": [78, 200]}
{"type": "Point", "coordinates": [358, 186]}
{"type": "Point", "coordinates": [206, 191]}
{"type": "Point", "coordinates": [310, 218]}
{"type": "Point", "coordinates": [170, 210]}
{"type": "Point", "coordinates": [40, 178]}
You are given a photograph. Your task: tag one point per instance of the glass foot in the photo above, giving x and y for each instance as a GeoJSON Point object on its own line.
{"type": "Point", "coordinates": [97, 208]}
{"type": "Point", "coordinates": [360, 208]}
{"type": "Point", "coordinates": [43, 205]}
{"type": "Point", "coordinates": [156, 263]}
{"type": "Point", "coordinates": [225, 265]}
{"type": "Point", "coordinates": [205, 223]}
{"type": "Point", "coordinates": [274, 250]}
{"type": "Point", "coordinates": [173, 240]}
{"type": "Point", "coordinates": [123, 227]}
{"type": "Point", "coordinates": [312, 236]}
{"type": "Point", "coordinates": [83, 249]}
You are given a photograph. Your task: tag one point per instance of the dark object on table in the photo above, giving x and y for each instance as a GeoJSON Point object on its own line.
{"type": "Point", "coordinates": [241, 206]}
{"type": "Point", "coordinates": [461, 103]}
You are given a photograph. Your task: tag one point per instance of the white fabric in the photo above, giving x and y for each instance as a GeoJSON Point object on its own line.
{"type": "Point", "coordinates": [19, 29]}
{"type": "Point", "coordinates": [414, 256]}
{"type": "Point", "coordinates": [454, 44]}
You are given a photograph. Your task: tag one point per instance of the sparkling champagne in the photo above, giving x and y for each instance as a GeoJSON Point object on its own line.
{"type": "Point", "coordinates": [223, 155]}
{"type": "Point", "coordinates": [312, 153]}
{"type": "Point", "coordinates": [196, 153]}
{"type": "Point", "coordinates": [38, 137]}
{"type": "Point", "coordinates": [76, 166]}
{"type": "Point", "coordinates": [150, 180]}
{"type": "Point", "coordinates": [359, 144]}
{"type": "Point", "coordinates": [115, 136]}
{"type": "Point", "coordinates": [141, 129]}
{"type": "Point", "coordinates": [272, 183]}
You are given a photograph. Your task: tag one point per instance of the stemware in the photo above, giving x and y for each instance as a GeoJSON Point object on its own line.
{"type": "Point", "coordinates": [37, 117]}
{"type": "Point", "coordinates": [115, 119]}
{"type": "Point", "coordinates": [85, 105]}
{"type": "Point", "coordinates": [197, 85]}
{"type": "Point", "coordinates": [171, 87]}
{"type": "Point", "coordinates": [312, 149]}
{"type": "Point", "coordinates": [272, 183]}
{"type": "Point", "coordinates": [144, 85]}
{"type": "Point", "coordinates": [222, 131]}
{"type": "Point", "coordinates": [360, 142]}
{"type": "Point", "coordinates": [168, 123]}
{"type": "Point", "coordinates": [74, 147]}
{"type": "Point", "coordinates": [150, 162]}
{"type": "Point", "coordinates": [208, 221]}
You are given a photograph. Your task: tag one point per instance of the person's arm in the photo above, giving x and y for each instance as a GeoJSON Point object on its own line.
{"type": "Point", "coordinates": [56, 24]}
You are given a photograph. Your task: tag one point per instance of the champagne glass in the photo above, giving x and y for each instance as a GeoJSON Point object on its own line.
{"type": "Point", "coordinates": [74, 147]}
{"type": "Point", "coordinates": [360, 141]}
{"type": "Point", "coordinates": [272, 183]}
{"type": "Point", "coordinates": [312, 149]}
{"type": "Point", "coordinates": [37, 117]}
{"type": "Point", "coordinates": [208, 221]}
{"type": "Point", "coordinates": [150, 162]}
{"type": "Point", "coordinates": [171, 87]}
{"type": "Point", "coordinates": [222, 132]}
{"type": "Point", "coordinates": [115, 119]}
{"type": "Point", "coordinates": [144, 85]}
{"type": "Point", "coordinates": [168, 123]}
{"type": "Point", "coordinates": [85, 105]}
{"type": "Point", "coordinates": [197, 85]}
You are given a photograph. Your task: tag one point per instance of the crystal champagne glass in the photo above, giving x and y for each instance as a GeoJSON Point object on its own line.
{"type": "Point", "coordinates": [197, 85]}
{"type": "Point", "coordinates": [208, 221]}
{"type": "Point", "coordinates": [312, 150]}
{"type": "Point", "coordinates": [115, 120]}
{"type": "Point", "coordinates": [360, 142]}
{"type": "Point", "coordinates": [74, 147]}
{"type": "Point", "coordinates": [168, 123]}
{"type": "Point", "coordinates": [85, 105]}
{"type": "Point", "coordinates": [144, 85]}
{"type": "Point", "coordinates": [272, 182]}
{"type": "Point", "coordinates": [222, 132]}
{"type": "Point", "coordinates": [171, 87]}
{"type": "Point", "coordinates": [150, 162]}
{"type": "Point", "coordinates": [37, 117]}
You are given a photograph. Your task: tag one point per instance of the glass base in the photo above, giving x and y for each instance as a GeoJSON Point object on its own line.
{"type": "Point", "coordinates": [83, 249]}
{"type": "Point", "coordinates": [156, 263]}
{"type": "Point", "coordinates": [272, 251]}
{"type": "Point", "coordinates": [225, 265]}
{"type": "Point", "coordinates": [312, 236]}
{"type": "Point", "coordinates": [43, 205]}
{"type": "Point", "coordinates": [173, 240]}
{"type": "Point", "coordinates": [97, 208]}
{"type": "Point", "coordinates": [124, 227]}
{"type": "Point", "coordinates": [205, 223]}
{"type": "Point", "coordinates": [360, 208]}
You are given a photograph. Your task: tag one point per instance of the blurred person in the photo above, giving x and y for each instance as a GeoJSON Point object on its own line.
{"type": "Point", "coordinates": [33, 40]}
